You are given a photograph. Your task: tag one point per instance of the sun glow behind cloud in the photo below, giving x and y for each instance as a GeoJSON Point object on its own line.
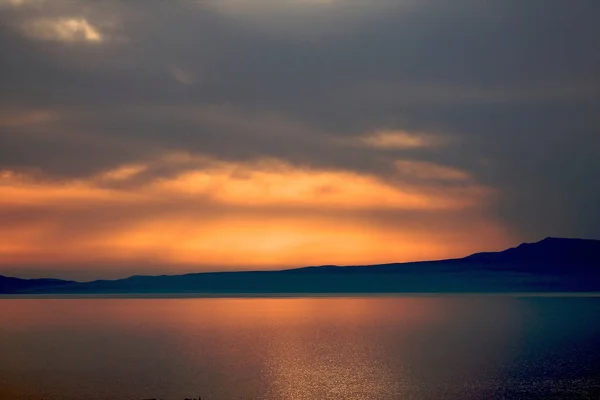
{"type": "Point", "coordinates": [64, 30]}
{"type": "Point", "coordinates": [272, 183]}
{"type": "Point", "coordinates": [265, 214]}
{"type": "Point", "coordinates": [315, 131]}
{"type": "Point", "coordinates": [393, 139]}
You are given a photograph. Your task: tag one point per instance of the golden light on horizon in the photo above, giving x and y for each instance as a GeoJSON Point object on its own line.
{"type": "Point", "coordinates": [222, 215]}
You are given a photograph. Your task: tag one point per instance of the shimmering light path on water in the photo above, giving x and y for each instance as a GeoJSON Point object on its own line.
{"type": "Point", "coordinates": [300, 348]}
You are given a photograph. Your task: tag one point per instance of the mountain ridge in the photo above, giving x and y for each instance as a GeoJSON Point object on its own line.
{"type": "Point", "coordinates": [552, 264]}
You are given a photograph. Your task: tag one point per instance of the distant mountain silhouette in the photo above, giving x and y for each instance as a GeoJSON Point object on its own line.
{"type": "Point", "coordinates": [550, 251]}
{"type": "Point", "coordinates": [17, 285]}
{"type": "Point", "coordinates": [551, 265]}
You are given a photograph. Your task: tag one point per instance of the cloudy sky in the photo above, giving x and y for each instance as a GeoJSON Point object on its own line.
{"type": "Point", "coordinates": [167, 136]}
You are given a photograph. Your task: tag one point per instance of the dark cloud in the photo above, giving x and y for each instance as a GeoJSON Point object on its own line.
{"type": "Point", "coordinates": [514, 86]}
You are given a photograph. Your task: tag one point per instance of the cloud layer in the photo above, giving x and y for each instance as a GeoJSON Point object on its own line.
{"type": "Point", "coordinates": [292, 132]}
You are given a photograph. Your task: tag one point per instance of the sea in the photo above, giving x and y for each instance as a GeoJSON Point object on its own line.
{"type": "Point", "coordinates": [280, 348]}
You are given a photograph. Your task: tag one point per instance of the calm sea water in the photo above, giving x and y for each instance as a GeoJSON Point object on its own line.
{"type": "Point", "coordinates": [300, 348]}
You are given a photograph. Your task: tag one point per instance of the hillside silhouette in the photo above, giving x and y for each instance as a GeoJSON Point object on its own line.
{"type": "Point", "coordinates": [551, 265]}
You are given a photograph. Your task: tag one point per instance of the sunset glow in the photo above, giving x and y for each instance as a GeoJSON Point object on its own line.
{"type": "Point", "coordinates": [221, 135]}
{"type": "Point", "coordinates": [243, 216]}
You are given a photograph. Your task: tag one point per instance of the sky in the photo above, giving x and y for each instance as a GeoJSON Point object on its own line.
{"type": "Point", "coordinates": [164, 137]}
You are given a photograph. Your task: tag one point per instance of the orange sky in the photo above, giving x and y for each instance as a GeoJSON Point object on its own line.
{"type": "Point", "coordinates": [220, 135]}
{"type": "Point", "coordinates": [224, 215]}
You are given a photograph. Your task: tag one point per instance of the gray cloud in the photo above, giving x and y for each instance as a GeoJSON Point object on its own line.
{"type": "Point", "coordinates": [513, 85]}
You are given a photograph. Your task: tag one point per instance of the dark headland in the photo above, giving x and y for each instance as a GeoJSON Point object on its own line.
{"type": "Point", "coordinates": [551, 265]}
